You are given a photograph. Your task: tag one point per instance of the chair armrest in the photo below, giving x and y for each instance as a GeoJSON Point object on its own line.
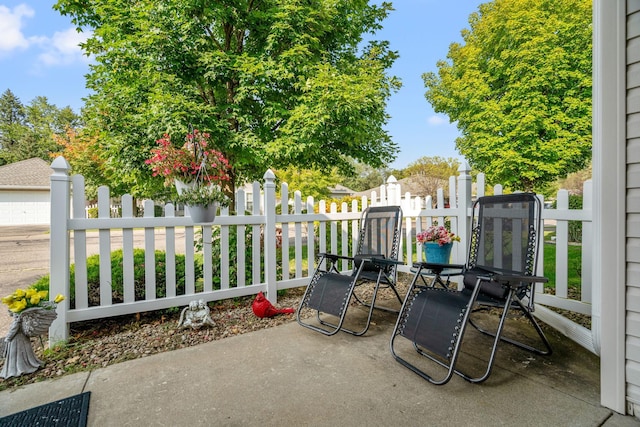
{"type": "Point", "coordinates": [438, 268]}
{"type": "Point", "coordinates": [507, 277]}
{"type": "Point", "coordinates": [383, 261]}
{"type": "Point", "coordinates": [333, 257]}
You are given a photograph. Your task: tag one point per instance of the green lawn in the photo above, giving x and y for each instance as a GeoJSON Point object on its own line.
{"type": "Point", "coordinates": [574, 269]}
{"type": "Point", "coordinates": [575, 262]}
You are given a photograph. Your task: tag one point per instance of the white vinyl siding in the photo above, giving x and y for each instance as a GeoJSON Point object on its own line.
{"type": "Point", "coordinates": [632, 202]}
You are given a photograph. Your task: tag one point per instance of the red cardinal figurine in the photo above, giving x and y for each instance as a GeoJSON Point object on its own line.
{"type": "Point", "coordinates": [262, 307]}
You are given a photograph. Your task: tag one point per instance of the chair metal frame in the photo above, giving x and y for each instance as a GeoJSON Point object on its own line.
{"type": "Point", "coordinates": [370, 264]}
{"type": "Point", "coordinates": [517, 287]}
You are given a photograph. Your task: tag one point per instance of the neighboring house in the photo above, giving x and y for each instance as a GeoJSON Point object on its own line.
{"type": "Point", "coordinates": [340, 191]}
{"type": "Point", "coordinates": [24, 192]}
{"type": "Point", "coordinates": [337, 192]}
{"type": "Point", "coordinates": [414, 185]}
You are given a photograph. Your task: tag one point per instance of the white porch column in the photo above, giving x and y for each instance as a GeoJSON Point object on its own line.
{"type": "Point", "coordinates": [609, 113]}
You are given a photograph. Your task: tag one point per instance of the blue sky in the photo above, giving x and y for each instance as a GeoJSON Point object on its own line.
{"type": "Point", "coordinates": [39, 57]}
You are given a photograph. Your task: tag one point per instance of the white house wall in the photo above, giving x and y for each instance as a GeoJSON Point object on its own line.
{"type": "Point", "coordinates": [24, 207]}
{"type": "Point", "coordinates": [632, 178]}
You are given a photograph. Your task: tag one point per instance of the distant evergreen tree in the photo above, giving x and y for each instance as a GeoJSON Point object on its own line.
{"type": "Point", "coordinates": [28, 131]}
{"type": "Point", "coordinates": [12, 123]}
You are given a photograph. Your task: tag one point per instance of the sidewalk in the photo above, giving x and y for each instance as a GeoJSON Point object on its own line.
{"type": "Point", "coordinates": [289, 375]}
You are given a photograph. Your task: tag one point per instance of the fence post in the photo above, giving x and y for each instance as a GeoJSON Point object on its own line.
{"type": "Point", "coordinates": [465, 204]}
{"type": "Point", "coordinates": [393, 191]}
{"type": "Point", "coordinates": [59, 258]}
{"type": "Point", "coordinates": [270, 236]}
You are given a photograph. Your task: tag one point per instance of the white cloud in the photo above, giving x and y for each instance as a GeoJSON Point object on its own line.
{"type": "Point", "coordinates": [63, 48]}
{"type": "Point", "coordinates": [437, 120]}
{"type": "Point", "coordinates": [11, 27]}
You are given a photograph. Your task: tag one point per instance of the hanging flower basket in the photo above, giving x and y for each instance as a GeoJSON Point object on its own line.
{"type": "Point", "coordinates": [201, 214]}
{"type": "Point", "coordinates": [194, 161]}
{"type": "Point", "coordinates": [182, 186]}
{"type": "Point", "coordinates": [197, 171]}
{"type": "Point", "coordinates": [202, 202]}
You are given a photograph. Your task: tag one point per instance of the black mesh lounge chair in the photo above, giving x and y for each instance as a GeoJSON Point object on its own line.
{"type": "Point", "coordinates": [330, 293]}
{"type": "Point", "coordinates": [498, 275]}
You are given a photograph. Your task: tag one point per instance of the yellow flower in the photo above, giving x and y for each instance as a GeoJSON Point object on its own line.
{"type": "Point", "coordinates": [30, 297]}
{"type": "Point", "coordinates": [18, 306]}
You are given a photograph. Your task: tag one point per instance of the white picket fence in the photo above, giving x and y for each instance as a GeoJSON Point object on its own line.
{"type": "Point", "coordinates": [273, 237]}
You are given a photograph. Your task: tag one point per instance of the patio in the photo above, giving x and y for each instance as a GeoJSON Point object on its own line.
{"type": "Point", "coordinates": [291, 375]}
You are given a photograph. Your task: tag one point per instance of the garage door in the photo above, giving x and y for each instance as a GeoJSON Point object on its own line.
{"type": "Point", "coordinates": [24, 207]}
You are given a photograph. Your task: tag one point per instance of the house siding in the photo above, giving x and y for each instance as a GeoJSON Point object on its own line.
{"type": "Point", "coordinates": [24, 192]}
{"type": "Point", "coordinates": [632, 202]}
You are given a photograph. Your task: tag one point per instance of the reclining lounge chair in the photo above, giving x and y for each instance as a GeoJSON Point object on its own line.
{"type": "Point", "coordinates": [330, 293]}
{"type": "Point", "coordinates": [499, 274]}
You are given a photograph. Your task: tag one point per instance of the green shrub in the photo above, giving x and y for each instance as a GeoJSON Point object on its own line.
{"type": "Point", "coordinates": [216, 254]}
{"type": "Point", "coordinates": [117, 276]}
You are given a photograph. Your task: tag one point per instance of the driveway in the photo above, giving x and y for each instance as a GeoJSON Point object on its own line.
{"type": "Point", "coordinates": [24, 256]}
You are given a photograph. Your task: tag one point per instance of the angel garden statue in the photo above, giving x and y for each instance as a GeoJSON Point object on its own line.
{"type": "Point", "coordinates": [32, 316]}
{"type": "Point", "coordinates": [195, 315]}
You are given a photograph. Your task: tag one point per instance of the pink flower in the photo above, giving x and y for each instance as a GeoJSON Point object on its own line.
{"type": "Point", "coordinates": [438, 234]}
{"type": "Point", "coordinates": [189, 162]}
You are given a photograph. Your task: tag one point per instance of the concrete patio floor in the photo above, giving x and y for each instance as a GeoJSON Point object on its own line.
{"type": "Point", "coordinates": [289, 375]}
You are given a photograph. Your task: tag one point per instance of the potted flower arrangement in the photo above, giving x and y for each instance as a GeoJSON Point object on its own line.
{"type": "Point", "coordinates": [436, 242]}
{"type": "Point", "coordinates": [203, 200]}
{"type": "Point", "coordinates": [32, 315]}
{"type": "Point", "coordinates": [23, 299]}
{"type": "Point", "coordinates": [197, 170]}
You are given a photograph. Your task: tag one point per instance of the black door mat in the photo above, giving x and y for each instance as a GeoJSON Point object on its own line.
{"type": "Point", "coordinates": [71, 412]}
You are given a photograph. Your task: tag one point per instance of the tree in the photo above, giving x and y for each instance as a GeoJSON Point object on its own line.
{"type": "Point", "coordinates": [309, 182]}
{"type": "Point", "coordinates": [275, 82]}
{"type": "Point", "coordinates": [430, 173]}
{"type": "Point", "coordinates": [519, 89]}
{"type": "Point", "coordinates": [364, 177]}
{"type": "Point", "coordinates": [83, 153]}
{"type": "Point", "coordinates": [28, 131]}
{"type": "Point", "coordinates": [573, 183]}
{"type": "Point", "coordinates": [12, 123]}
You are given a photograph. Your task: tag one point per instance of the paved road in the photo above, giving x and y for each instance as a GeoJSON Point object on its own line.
{"type": "Point", "coordinates": [24, 257]}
